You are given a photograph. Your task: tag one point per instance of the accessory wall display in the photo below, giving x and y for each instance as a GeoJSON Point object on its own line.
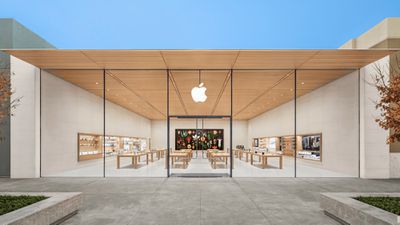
{"type": "Point", "coordinates": [309, 146]}
{"type": "Point", "coordinates": [255, 142]}
{"type": "Point", "coordinates": [200, 139]}
{"type": "Point", "coordinates": [90, 146]}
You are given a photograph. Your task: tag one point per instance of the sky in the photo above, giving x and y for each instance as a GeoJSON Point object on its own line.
{"type": "Point", "coordinates": [199, 24]}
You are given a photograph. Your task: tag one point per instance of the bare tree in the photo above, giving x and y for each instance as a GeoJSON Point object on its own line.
{"type": "Point", "coordinates": [387, 82]}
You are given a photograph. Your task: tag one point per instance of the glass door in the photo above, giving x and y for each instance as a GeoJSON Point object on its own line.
{"type": "Point", "coordinates": [199, 146]}
{"type": "Point", "coordinates": [199, 124]}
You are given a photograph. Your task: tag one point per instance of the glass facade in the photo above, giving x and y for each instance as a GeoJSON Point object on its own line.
{"type": "Point", "coordinates": [159, 123]}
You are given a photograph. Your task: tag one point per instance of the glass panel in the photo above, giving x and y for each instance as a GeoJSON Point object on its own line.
{"type": "Point", "coordinates": [135, 123]}
{"type": "Point", "coordinates": [263, 127]}
{"type": "Point", "coordinates": [200, 146]}
{"type": "Point", "coordinates": [72, 123]}
{"type": "Point", "coordinates": [327, 123]}
{"type": "Point", "coordinates": [200, 125]}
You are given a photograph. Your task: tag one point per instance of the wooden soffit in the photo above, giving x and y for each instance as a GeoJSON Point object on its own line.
{"type": "Point", "coordinates": [199, 59]}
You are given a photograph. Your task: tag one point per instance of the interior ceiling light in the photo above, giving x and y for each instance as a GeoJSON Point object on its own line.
{"type": "Point", "coordinates": [199, 92]}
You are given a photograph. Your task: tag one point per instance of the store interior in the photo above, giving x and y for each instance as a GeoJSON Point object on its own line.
{"type": "Point", "coordinates": [244, 123]}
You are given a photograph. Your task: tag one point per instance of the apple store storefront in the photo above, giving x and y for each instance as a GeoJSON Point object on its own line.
{"type": "Point", "coordinates": [161, 113]}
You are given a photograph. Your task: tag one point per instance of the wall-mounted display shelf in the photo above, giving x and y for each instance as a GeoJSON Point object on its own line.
{"type": "Point", "coordinates": [270, 144]}
{"type": "Point", "coordinates": [309, 146]}
{"type": "Point", "coordinates": [90, 146]}
{"type": "Point", "coordinates": [287, 145]}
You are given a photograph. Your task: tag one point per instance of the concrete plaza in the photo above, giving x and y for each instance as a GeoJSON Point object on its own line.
{"type": "Point", "coordinates": [200, 200]}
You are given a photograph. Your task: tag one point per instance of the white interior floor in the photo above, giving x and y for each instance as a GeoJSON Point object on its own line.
{"type": "Point", "coordinates": [198, 164]}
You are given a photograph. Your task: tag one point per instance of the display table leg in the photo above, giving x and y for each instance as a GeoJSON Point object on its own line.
{"type": "Point", "coordinates": [117, 161]}
{"type": "Point", "coordinates": [251, 159]}
{"type": "Point", "coordinates": [280, 162]}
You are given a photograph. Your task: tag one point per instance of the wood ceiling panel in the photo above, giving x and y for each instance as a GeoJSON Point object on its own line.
{"type": "Point", "coordinates": [175, 107]}
{"type": "Point", "coordinates": [149, 85]}
{"type": "Point", "coordinates": [55, 59]}
{"type": "Point", "coordinates": [127, 59]}
{"type": "Point", "coordinates": [121, 94]}
{"type": "Point", "coordinates": [343, 59]}
{"type": "Point", "coordinates": [252, 85]}
{"type": "Point", "coordinates": [199, 59]}
{"type": "Point", "coordinates": [272, 59]}
{"type": "Point", "coordinates": [143, 79]}
{"type": "Point", "coordinates": [223, 106]}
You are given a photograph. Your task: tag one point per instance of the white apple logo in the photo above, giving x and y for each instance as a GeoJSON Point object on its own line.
{"type": "Point", "coordinates": [199, 93]}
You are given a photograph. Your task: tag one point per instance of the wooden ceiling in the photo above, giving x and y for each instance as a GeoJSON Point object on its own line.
{"type": "Point", "coordinates": [137, 81]}
{"type": "Point", "coordinates": [199, 59]}
{"type": "Point", "coordinates": [145, 91]}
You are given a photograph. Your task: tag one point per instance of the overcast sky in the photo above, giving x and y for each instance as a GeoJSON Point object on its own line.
{"type": "Point", "coordinates": [199, 24]}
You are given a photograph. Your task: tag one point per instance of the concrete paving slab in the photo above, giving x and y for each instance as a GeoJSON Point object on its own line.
{"type": "Point", "coordinates": [202, 201]}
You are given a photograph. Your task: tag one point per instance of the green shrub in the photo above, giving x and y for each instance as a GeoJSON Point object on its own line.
{"type": "Point", "coordinates": [390, 204]}
{"type": "Point", "coordinates": [10, 203]}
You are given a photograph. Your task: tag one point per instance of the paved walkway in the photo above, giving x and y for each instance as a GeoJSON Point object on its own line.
{"type": "Point", "coordinates": [187, 201]}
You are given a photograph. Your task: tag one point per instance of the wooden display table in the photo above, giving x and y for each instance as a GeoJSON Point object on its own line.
{"type": "Point", "coordinates": [247, 153]}
{"type": "Point", "coordinates": [176, 156]}
{"type": "Point", "coordinates": [214, 156]}
{"type": "Point", "coordinates": [189, 151]}
{"type": "Point", "coordinates": [264, 159]}
{"type": "Point", "coordinates": [135, 158]}
{"type": "Point", "coordinates": [209, 151]}
{"type": "Point", "coordinates": [160, 153]}
{"type": "Point", "coordinates": [237, 153]}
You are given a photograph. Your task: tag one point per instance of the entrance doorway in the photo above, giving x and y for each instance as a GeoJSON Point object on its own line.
{"type": "Point", "coordinates": [200, 146]}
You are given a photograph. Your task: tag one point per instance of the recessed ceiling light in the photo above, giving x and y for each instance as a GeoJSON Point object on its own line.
{"type": "Point", "coordinates": [97, 82]}
{"type": "Point", "coordinates": [302, 82]}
